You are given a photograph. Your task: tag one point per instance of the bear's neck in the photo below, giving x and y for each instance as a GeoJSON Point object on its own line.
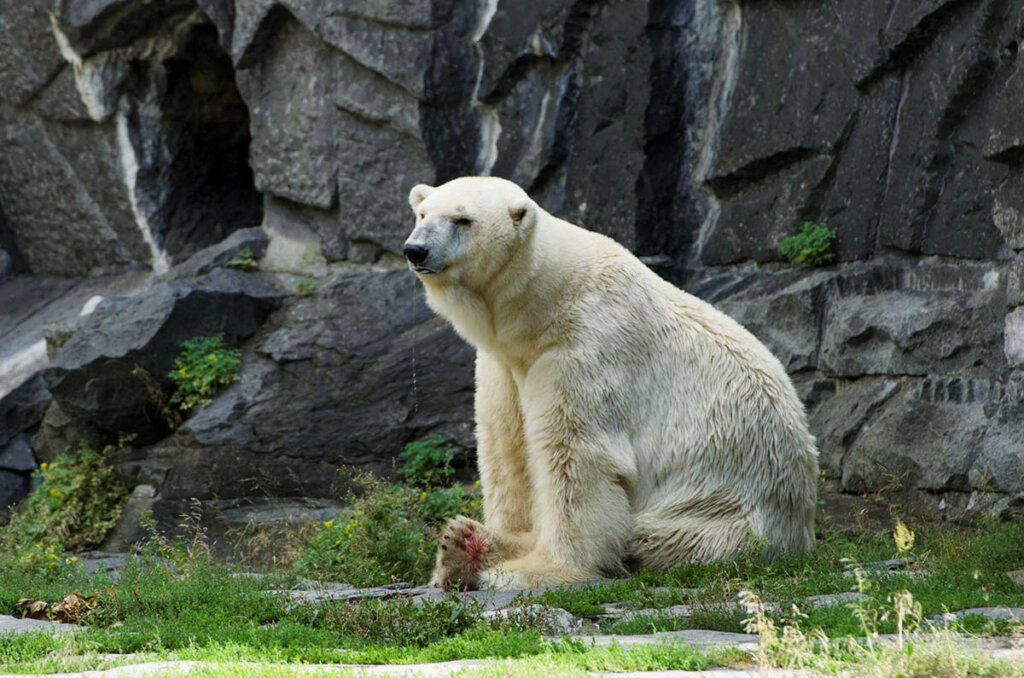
{"type": "Point", "coordinates": [514, 316]}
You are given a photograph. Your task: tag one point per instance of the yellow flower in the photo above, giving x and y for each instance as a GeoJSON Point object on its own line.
{"type": "Point", "coordinates": [56, 493]}
{"type": "Point", "coordinates": [423, 497]}
{"type": "Point", "coordinates": [212, 357]}
{"type": "Point", "coordinates": [329, 523]}
{"type": "Point", "coordinates": [181, 371]}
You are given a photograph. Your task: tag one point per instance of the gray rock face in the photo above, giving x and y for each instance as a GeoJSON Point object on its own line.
{"type": "Point", "coordinates": [697, 132]}
{"type": "Point", "coordinates": [13, 487]}
{"type": "Point", "coordinates": [913, 332]}
{"type": "Point", "coordinates": [134, 151]}
{"type": "Point", "coordinates": [341, 378]}
{"type": "Point", "coordinates": [663, 124]}
{"type": "Point", "coordinates": [17, 455]}
{"type": "Point", "coordinates": [20, 413]}
{"type": "Point", "coordinates": [253, 240]}
{"type": "Point", "coordinates": [904, 370]}
{"type": "Point", "coordinates": [10, 258]}
{"type": "Point", "coordinates": [104, 374]}
{"type": "Point", "coordinates": [22, 408]}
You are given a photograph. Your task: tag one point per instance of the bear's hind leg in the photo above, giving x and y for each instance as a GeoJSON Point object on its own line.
{"type": "Point", "coordinates": [708, 527]}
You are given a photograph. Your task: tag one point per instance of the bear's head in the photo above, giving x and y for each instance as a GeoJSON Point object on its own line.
{"type": "Point", "coordinates": [467, 229]}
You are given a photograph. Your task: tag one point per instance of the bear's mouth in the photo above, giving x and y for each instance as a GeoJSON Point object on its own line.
{"type": "Point", "coordinates": [423, 270]}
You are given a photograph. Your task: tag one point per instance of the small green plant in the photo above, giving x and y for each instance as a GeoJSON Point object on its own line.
{"type": "Point", "coordinates": [903, 537]}
{"type": "Point", "coordinates": [203, 366]}
{"type": "Point", "coordinates": [304, 287]}
{"type": "Point", "coordinates": [387, 534]}
{"type": "Point", "coordinates": [77, 501]}
{"type": "Point", "coordinates": [427, 462]}
{"type": "Point", "coordinates": [244, 260]}
{"type": "Point", "coordinates": [811, 246]}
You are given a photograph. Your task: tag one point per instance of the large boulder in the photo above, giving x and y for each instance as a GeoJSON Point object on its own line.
{"type": "Point", "coordinates": [906, 369]}
{"type": "Point", "coordinates": [20, 413]}
{"type": "Point", "coordinates": [111, 369]}
{"type": "Point", "coordinates": [22, 409]}
{"type": "Point", "coordinates": [13, 487]}
{"type": "Point", "coordinates": [342, 377]}
{"type": "Point", "coordinates": [940, 435]}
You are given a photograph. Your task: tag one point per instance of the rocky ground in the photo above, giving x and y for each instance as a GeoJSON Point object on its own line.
{"type": "Point", "coordinates": [556, 623]}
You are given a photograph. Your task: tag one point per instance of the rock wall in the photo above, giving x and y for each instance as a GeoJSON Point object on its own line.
{"type": "Point", "coordinates": [696, 132]}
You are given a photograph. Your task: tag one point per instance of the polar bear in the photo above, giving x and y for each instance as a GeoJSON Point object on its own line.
{"type": "Point", "coordinates": [621, 422]}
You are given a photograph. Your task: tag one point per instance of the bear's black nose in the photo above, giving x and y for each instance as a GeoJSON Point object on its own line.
{"type": "Point", "coordinates": [416, 254]}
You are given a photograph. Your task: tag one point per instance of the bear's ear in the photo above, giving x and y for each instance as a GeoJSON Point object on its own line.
{"type": "Point", "coordinates": [523, 212]}
{"type": "Point", "coordinates": [418, 194]}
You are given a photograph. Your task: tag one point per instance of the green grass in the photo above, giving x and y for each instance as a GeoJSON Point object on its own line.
{"type": "Point", "coordinates": [180, 603]}
{"type": "Point", "coordinates": [571, 658]}
{"type": "Point", "coordinates": [967, 569]}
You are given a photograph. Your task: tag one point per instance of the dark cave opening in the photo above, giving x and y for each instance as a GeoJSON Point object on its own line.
{"type": "Point", "coordinates": [201, 188]}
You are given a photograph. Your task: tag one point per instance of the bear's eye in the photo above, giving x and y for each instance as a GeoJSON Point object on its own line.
{"type": "Point", "coordinates": [463, 221]}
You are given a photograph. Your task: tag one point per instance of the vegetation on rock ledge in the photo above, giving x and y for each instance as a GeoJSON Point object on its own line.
{"type": "Point", "coordinates": [811, 246]}
{"type": "Point", "coordinates": [77, 501]}
{"type": "Point", "coordinates": [203, 366]}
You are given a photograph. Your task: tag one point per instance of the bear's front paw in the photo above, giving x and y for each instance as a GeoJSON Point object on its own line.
{"type": "Point", "coordinates": [463, 552]}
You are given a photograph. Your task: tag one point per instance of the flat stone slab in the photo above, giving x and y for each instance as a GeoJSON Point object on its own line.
{"type": "Point", "coordinates": [697, 638]}
{"type": "Point", "coordinates": [990, 612]}
{"type": "Point", "coordinates": [15, 625]}
{"type": "Point", "coordinates": [614, 612]}
{"type": "Point", "coordinates": [553, 621]}
{"type": "Point", "coordinates": [490, 600]}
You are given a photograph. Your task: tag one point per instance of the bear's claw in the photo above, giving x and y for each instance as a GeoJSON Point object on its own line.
{"type": "Point", "coordinates": [462, 553]}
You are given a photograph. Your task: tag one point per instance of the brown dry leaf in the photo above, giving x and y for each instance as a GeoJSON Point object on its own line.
{"type": "Point", "coordinates": [73, 606]}
{"type": "Point", "coordinates": [33, 609]}
{"type": "Point", "coordinates": [139, 598]}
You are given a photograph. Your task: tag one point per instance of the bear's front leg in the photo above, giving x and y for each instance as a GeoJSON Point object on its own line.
{"type": "Point", "coordinates": [582, 466]}
{"type": "Point", "coordinates": [584, 536]}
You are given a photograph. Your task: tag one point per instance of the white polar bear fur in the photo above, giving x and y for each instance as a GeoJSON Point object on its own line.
{"type": "Point", "coordinates": [620, 420]}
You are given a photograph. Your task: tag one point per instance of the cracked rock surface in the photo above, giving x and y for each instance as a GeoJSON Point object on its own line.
{"type": "Point", "coordinates": [696, 132]}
